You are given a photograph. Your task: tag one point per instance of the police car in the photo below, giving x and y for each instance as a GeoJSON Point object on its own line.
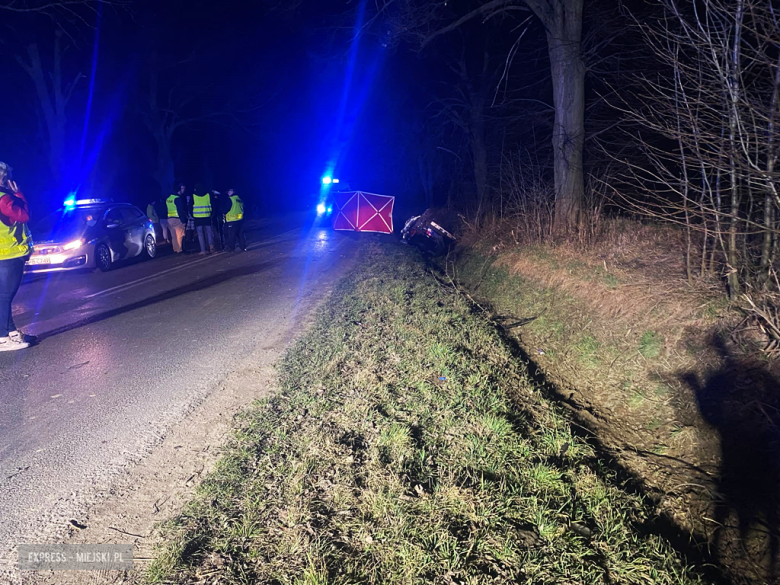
{"type": "Point", "coordinates": [90, 233]}
{"type": "Point", "coordinates": [330, 186]}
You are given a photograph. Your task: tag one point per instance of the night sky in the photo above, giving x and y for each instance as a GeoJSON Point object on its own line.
{"type": "Point", "coordinates": [301, 98]}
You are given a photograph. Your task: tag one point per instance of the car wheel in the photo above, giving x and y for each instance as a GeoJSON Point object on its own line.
{"type": "Point", "coordinates": [103, 258]}
{"type": "Point", "coordinates": [150, 246]}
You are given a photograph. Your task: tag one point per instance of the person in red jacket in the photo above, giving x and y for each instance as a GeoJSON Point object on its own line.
{"type": "Point", "coordinates": [15, 247]}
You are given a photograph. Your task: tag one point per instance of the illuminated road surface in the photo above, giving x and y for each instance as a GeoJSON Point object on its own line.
{"type": "Point", "coordinates": [124, 355]}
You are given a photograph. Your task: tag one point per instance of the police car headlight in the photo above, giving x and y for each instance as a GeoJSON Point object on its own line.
{"type": "Point", "coordinates": [74, 245]}
{"type": "Point", "coordinates": [321, 209]}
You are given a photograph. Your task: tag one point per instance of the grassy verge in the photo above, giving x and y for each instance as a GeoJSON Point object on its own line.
{"type": "Point", "coordinates": [408, 446]}
{"type": "Point", "coordinates": [622, 357]}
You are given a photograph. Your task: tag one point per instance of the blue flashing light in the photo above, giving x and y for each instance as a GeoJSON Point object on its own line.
{"type": "Point", "coordinates": [327, 180]}
{"type": "Point", "coordinates": [330, 210]}
{"type": "Point", "coordinates": [335, 181]}
{"type": "Point", "coordinates": [320, 209]}
{"type": "Point", "coordinates": [70, 202]}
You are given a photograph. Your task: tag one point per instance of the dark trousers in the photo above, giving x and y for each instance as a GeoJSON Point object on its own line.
{"type": "Point", "coordinates": [235, 229]}
{"type": "Point", "coordinates": [11, 272]}
{"type": "Point", "coordinates": [219, 233]}
{"type": "Point", "coordinates": [190, 234]}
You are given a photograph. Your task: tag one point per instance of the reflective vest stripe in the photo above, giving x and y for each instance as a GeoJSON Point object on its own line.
{"type": "Point", "coordinates": [15, 240]}
{"type": "Point", "coordinates": [170, 203]}
{"type": "Point", "coordinates": [236, 212]}
{"type": "Point", "coordinates": [201, 205]}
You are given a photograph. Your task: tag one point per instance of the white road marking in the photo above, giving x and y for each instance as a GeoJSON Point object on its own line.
{"type": "Point", "coordinates": [180, 267]}
{"type": "Point", "coordinates": [150, 277]}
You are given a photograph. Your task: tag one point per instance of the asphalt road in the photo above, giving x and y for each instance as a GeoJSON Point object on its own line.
{"type": "Point", "coordinates": [126, 354]}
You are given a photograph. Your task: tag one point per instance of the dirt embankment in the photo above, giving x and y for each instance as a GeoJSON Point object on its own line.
{"type": "Point", "coordinates": [646, 362]}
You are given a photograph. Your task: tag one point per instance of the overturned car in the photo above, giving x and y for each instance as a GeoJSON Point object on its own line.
{"type": "Point", "coordinates": [427, 233]}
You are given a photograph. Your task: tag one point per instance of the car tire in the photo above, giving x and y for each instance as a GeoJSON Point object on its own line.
{"type": "Point", "coordinates": [102, 258]}
{"type": "Point", "coordinates": [150, 246]}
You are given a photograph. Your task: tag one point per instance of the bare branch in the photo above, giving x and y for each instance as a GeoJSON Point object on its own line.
{"type": "Point", "coordinates": [484, 10]}
{"type": "Point", "coordinates": [53, 6]}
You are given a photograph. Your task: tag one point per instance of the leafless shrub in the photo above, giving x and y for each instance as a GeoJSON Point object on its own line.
{"type": "Point", "coordinates": [706, 123]}
{"type": "Point", "coordinates": [763, 318]}
{"type": "Point", "coordinates": [597, 192]}
{"type": "Point", "coordinates": [526, 198]}
{"type": "Point", "coordinates": [522, 203]}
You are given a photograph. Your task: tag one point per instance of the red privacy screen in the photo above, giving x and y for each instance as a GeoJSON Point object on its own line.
{"type": "Point", "coordinates": [363, 212]}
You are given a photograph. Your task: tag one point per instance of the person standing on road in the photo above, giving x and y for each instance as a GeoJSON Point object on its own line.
{"type": "Point", "coordinates": [234, 221]}
{"type": "Point", "coordinates": [218, 219]}
{"type": "Point", "coordinates": [202, 211]}
{"type": "Point", "coordinates": [15, 247]}
{"type": "Point", "coordinates": [189, 232]}
{"type": "Point", "coordinates": [151, 212]}
{"type": "Point", "coordinates": [177, 216]}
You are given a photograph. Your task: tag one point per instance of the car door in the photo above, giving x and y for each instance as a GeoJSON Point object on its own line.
{"type": "Point", "coordinates": [133, 222]}
{"type": "Point", "coordinates": [115, 233]}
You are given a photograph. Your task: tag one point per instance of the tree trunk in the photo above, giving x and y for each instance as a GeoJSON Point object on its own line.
{"type": "Point", "coordinates": [479, 154]}
{"type": "Point", "coordinates": [770, 197]}
{"type": "Point", "coordinates": [53, 97]}
{"type": "Point", "coordinates": [426, 177]}
{"type": "Point", "coordinates": [164, 172]}
{"type": "Point", "coordinates": [564, 39]}
{"type": "Point", "coordinates": [162, 129]}
{"type": "Point", "coordinates": [684, 180]}
{"type": "Point", "coordinates": [766, 247]}
{"type": "Point", "coordinates": [734, 98]}
{"type": "Point", "coordinates": [56, 151]}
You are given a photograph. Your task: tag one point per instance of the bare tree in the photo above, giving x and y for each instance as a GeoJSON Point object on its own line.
{"type": "Point", "coordinates": [163, 109]}
{"type": "Point", "coordinates": [54, 91]}
{"type": "Point", "coordinates": [424, 21]}
{"type": "Point", "coordinates": [46, 64]}
{"type": "Point", "coordinates": [174, 97]}
{"type": "Point", "coordinates": [562, 20]}
{"type": "Point", "coordinates": [468, 111]}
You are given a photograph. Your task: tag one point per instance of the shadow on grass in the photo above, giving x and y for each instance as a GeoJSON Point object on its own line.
{"type": "Point", "coordinates": [741, 401]}
{"type": "Point", "coordinates": [695, 548]}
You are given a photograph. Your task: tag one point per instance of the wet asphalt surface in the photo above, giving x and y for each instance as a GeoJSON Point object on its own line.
{"type": "Point", "coordinates": [124, 355]}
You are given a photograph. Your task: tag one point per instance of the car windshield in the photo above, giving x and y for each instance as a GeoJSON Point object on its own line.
{"type": "Point", "coordinates": [66, 224]}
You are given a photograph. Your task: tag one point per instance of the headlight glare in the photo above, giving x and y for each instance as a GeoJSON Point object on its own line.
{"type": "Point", "coordinates": [74, 245]}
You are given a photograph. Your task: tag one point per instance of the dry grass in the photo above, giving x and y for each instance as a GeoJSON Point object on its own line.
{"type": "Point", "coordinates": [614, 326]}
{"type": "Point", "coordinates": [634, 274]}
{"type": "Point", "coordinates": [648, 358]}
{"type": "Point", "coordinates": [614, 317]}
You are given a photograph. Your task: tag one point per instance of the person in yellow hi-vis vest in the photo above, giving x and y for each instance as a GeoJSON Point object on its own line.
{"type": "Point", "coordinates": [15, 247]}
{"type": "Point", "coordinates": [202, 211]}
{"type": "Point", "coordinates": [234, 222]}
{"type": "Point", "coordinates": [177, 217]}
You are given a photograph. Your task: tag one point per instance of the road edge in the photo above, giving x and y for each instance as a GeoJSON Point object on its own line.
{"type": "Point", "coordinates": [154, 489]}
